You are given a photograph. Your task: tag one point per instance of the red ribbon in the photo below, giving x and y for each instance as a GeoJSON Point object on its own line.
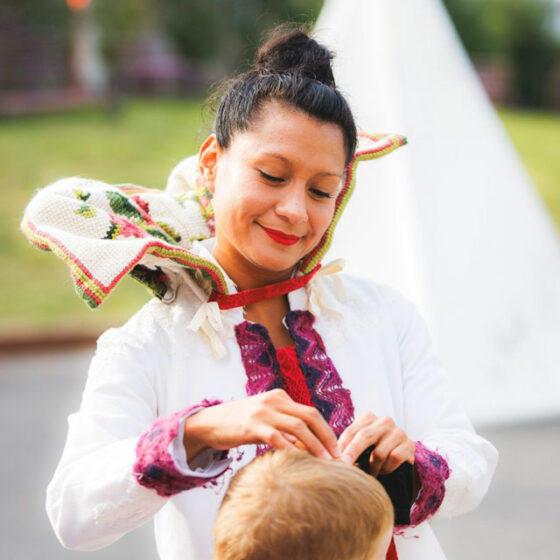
{"type": "Point", "coordinates": [253, 295]}
{"type": "Point", "coordinates": [392, 551]}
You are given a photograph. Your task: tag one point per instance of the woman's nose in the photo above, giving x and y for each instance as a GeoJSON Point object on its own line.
{"type": "Point", "coordinates": [292, 204]}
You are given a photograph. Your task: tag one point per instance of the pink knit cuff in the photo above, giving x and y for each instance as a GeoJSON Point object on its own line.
{"type": "Point", "coordinates": [155, 467]}
{"type": "Point", "coordinates": [433, 471]}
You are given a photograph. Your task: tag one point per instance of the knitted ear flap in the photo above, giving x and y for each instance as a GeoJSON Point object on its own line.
{"type": "Point", "coordinates": [103, 232]}
{"type": "Point", "coordinates": [370, 146]}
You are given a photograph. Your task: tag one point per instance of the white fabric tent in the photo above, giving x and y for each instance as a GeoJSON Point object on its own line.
{"type": "Point", "coordinates": [452, 220]}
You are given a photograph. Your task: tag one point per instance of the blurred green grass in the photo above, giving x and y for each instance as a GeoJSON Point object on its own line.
{"type": "Point", "coordinates": [140, 144]}
{"type": "Point", "coordinates": [536, 135]}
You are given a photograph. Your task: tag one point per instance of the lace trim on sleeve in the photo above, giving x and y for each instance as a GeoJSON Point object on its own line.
{"type": "Point", "coordinates": [433, 471]}
{"type": "Point", "coordinates": [155, 466]}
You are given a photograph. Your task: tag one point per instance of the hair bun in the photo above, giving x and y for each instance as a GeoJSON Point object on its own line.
{"type": "Point", "coordinates": [295, 51]}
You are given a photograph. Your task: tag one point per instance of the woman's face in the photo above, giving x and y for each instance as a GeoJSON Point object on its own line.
{"type": "Point", "coordinates": [274, 190]}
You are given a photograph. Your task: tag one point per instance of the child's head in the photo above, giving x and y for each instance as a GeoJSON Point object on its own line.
{"type": "Point", "coordinates": [291, 505]}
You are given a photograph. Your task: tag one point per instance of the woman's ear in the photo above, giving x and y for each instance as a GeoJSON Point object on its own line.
{"type": "Point", "coordinates": [208, 157]}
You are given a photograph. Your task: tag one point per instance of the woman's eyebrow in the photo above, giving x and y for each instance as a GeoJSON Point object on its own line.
{"type": "Point", "coordinates": [277, 156]}
{"type": "Point", "coordinates": [287, 162]}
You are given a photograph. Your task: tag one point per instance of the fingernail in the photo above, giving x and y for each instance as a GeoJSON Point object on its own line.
{"type": "Point", "coordinates": [326, 455]}
{"type": "Point", "coordinates": [337, 452]}
{"type": "Point", "coordinates": [346, 459]}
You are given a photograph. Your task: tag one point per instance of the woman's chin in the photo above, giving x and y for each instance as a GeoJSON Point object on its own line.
{"type": "Point", "coordinates": [281, 265]}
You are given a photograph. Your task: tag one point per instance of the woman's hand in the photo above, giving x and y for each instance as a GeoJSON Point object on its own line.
{"type": "Point", "coordinates": [392, 445]}
{"type": "Point", "coordinates": [271, 418]}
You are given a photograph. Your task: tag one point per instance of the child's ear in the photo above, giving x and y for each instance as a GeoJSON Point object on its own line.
{"type": "Point", "coordinates": [208, 156]}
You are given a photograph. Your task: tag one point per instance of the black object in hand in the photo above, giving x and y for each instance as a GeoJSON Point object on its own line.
{"type": "Point", "coordinates": [397, 484]}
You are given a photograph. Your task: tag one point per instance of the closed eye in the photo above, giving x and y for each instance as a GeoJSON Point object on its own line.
{"type": "Point", "coordinates": [321, 194]}
{"type": "Point", "coordinates": [270, 178]}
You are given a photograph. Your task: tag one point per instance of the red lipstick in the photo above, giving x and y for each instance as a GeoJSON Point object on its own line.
{"type": "Point", "coordinates": [281, 237]}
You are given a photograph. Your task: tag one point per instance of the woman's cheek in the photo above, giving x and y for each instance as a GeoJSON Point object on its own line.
{"type": "Point", "coordinates": [326, 217]}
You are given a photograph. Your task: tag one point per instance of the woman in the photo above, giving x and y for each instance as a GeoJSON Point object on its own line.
{"type": "Point", "coordinates": [164, 423]}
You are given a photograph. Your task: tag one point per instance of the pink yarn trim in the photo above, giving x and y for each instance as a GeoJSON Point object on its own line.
{"type": "Point", "coordinates": [155, 467]}
{"type": "Point", "coordinates": [325, 385]}
{"type": "Point", "coordinates": [433, 471]}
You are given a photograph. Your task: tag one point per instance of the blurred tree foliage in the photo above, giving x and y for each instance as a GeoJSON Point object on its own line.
{"type": "Point", "coordinates": [223, 31]}
{"type": "Point", "coordinates": [519, 31]}
{"type": "Point", "coordinates": [228, 31]}
{"type": "Point", "coordinates": [42, 15]}
{"type": "Point", "coordinates": [121, 20]}
{"type": "Point", "coordinates": [33, 44]}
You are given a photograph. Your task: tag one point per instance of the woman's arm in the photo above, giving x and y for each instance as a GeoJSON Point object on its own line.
{"type": "Point", "coordinates": [455, 465]}
{"type": "Point", "coordinates": [95, 496]}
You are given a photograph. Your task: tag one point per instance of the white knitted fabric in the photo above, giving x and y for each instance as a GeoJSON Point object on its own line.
{"type": "Point", "coordinates": [102, 232]}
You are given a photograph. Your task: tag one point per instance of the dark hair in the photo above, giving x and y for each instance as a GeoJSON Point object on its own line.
{"type": "Point", "coordinates": [291, 67]}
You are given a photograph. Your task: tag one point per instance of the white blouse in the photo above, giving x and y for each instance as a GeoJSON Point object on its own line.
{"type": "Point", "coordinates": [154, 366]}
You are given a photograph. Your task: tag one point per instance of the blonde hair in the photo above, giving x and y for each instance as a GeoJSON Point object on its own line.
{"type": "Point", "coordinates": [291, 505]}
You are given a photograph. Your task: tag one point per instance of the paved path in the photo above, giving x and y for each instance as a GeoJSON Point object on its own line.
{"type": "Point", "coordinates": [36, 396]}
{"type": "Point", "coordinates": [518, 519]}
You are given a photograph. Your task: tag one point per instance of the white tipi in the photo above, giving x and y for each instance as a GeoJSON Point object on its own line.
{"type": "Point", "coordinates": [452, 220]}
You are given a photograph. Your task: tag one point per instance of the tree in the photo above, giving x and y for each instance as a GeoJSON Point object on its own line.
{"type": "Point", "coordinates": [228, 30]}
{"type": "Point", "coordinates": [516, 30]}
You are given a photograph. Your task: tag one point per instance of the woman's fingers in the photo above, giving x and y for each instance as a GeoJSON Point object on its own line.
{"type": "Point", "coordinates": [399, 455]}
{"type": "Point", "coordinates": [348, 434]}
{"type": "Point", "coordinates": [368, 435]}
{"type": "Point", "coordinates": [279, 440]}
{"type": "Point", "coordinates": [298, 428]}
{"type": "Point", "coordinates": [291, 439]}
{"type": "Point", "coordinates": [278, 412]}
{"type": "Point", "coordinates": [390, 452]}
{"type": "Point", "coordinates": [391, 445]}
{"type": "Point", "coordinates": [272, 418]}
{"type": "Point", "coordinates": [308, 421]}
{"type": "Point", "coordinates": [319, 428]}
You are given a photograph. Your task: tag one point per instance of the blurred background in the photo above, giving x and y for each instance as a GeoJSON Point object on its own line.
{"type": "Point", "coordinates": [116, 91]}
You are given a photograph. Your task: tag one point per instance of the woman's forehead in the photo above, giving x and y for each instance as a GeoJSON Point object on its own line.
{"type": "Point", "coordinates": [288, 135]}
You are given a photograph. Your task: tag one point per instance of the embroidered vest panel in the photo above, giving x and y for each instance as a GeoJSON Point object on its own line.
{"type": "Point", "coordinates": [323, 381]}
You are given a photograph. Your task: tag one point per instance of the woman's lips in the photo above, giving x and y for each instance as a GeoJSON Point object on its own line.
{"type": "Point", "coordinates": [281, 237]}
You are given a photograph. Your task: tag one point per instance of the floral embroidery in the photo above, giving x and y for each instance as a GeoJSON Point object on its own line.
{"type": "Point", "coordinates": [123, 228]}
{"type": "Point", "coordinates": [122, 205]}
{"type": "Point", "coordinates": [156, 280]}
{"type": "Point", "coordinates": [81, 195]}
{"type": "Point", "coordinates": [204, 198]}
{"type": "Point", "coordinates": [433, 471]}
{"type": "Point", "coordinates": [169, 231]}
{"type": "Point", "coordinates": [143, 206]}
{"type": "Point", "coordinates": [155, 467]}
{"type": "Point", "coordinates": [86, 211]}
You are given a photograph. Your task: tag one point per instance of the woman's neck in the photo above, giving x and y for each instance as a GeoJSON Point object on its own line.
{"type": "Point", "coordinates": [247, 276]}
{"type": "Point", "coordinates": [268, 312]}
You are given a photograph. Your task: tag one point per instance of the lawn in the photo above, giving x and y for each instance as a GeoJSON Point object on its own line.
{"type": "Point", "coordinates": [140, 144]}
{"type": "Point", "coordinates": [537, 138]}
